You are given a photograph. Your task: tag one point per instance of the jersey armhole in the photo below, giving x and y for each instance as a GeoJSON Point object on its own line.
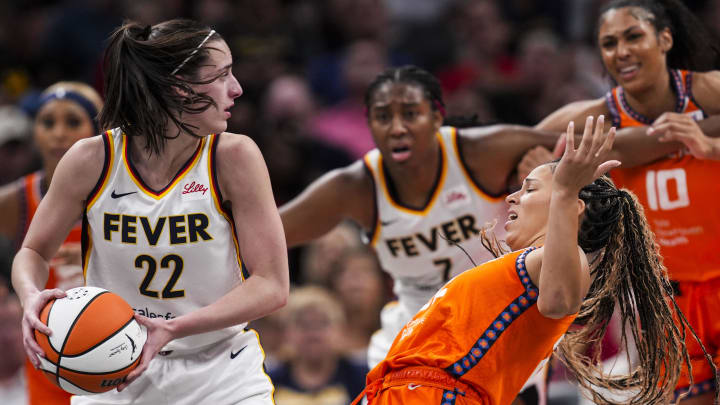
{"type": "Point", "coordinates": [691, 95]}
{"type": "Point", "coordinates": [613, 109]}
{"type": "Point", "coordinates": [372, 233]}
{"type": "Point", "coordinates": [97, 189]}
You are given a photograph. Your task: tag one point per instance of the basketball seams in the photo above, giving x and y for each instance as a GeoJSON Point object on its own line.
{"type": "Point", "coordinates": [72, 325]}
{"type": "Point", "coordinates": [129, 366]}
{"type": "Point", "coordinates": [46, 320]}
{"type": "Point", "coordinates": [110, 336]}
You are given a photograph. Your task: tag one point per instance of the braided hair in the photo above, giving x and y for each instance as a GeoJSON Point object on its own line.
{"type": "Point", "coordinates": [694, 48]}
{"type": "Point", "coordinates": [412, 75]}
{"type": "Point", "coordinates": [628, 273]}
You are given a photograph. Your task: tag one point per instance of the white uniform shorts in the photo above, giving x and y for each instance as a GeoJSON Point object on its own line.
{"type": "Point", "coordinates": [227, 372]}
{"type": "Point", "coordinates": [395, 315]}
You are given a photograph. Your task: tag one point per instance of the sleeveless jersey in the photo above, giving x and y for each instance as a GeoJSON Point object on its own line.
{"type": "Point", "coordinates": [417, 247]}
{"type": "Point", "coordinates": [483, 328]}
{"type": "Point", "coordinates": [166, 252]}
{"type": "Point", "coordinates": [40, 390]}
{"type": "Point", "coordinates": [678, 193]}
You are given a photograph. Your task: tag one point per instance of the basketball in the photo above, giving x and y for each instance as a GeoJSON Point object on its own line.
{"type": "Point", "coordinates": [95, 342]}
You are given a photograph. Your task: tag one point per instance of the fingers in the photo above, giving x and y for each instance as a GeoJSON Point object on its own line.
{"type": "Point", "coordinates": [35, 323]}
{"type": "Point", "coordinates": [569, 139]}
{"type": "Point", "coordinates": [598, 136]}
{"type": "Point", "coordinates": [587, 134]}
{"type": "Point", "coordinates": [608, 142]}
{"type": "Point", "coordinates": [606, 167]}
{"type": "Point", "coordinates": [32, 348]}
{"type": "Point", "coordinates": [145, 359]}
{"type": "Point", "coordinates": [559, 148]}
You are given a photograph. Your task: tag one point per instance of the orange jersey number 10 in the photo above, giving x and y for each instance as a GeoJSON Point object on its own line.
{"type": "Point", "coordinates": [659, 189]}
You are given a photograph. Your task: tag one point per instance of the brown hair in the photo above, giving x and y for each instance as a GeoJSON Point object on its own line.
{"type": "Point", "coordinates": [142, 95]}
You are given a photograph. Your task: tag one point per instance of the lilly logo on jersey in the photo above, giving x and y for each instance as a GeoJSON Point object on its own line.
{"type": "Point", "coordinates": [456, 197]}
{"type": "Point", "coordinates": [193, 191]}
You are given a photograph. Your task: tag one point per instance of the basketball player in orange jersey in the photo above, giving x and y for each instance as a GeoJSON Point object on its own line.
{"type": "Point", "coordinates": [663, 60]}
{"type": "Point", "coordinates": [580, 246]}
{"type": "Point", "coordinates": [167, 208]}
{"type": "Point", "coordinates": [66, 113]}
{"type": "Point", "coordinates": [427, 187]}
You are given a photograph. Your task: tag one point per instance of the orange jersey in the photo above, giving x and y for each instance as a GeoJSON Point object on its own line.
{"type": "Point", "coordinates": [482, 329]}
{"type": "Point", "coordinates": [40, 389]}
{"type": "Point", "coordinates": [678, 193]}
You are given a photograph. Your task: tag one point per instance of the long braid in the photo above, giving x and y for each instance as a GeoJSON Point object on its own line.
{"type": "Point", "coordinates": [629, 274]}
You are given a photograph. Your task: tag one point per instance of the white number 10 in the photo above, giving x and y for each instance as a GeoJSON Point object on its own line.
{"type": "Point", "coordinates": [657, 189]}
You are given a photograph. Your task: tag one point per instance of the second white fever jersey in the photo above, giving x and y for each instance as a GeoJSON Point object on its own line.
{"type": "Point", "coordinates": [418, 247]}
{"type": "Point", "coordinates": [166, 252]}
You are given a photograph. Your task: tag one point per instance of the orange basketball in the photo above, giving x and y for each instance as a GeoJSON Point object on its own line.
{"type": "Point", "coordinates": [95, 343]}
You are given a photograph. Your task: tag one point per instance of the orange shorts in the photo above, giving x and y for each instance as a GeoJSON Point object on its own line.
{"type": "Point", "coordinates": [700, 302]}
{"type": "Point", "coordinates": [41, 391]}
{"type": "Point", "coordinates": [424, 386]}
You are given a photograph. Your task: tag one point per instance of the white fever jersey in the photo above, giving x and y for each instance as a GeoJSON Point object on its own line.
{"type": "Point", "coordinates": [418, 246]}
{"type": "Point", "coordinates": [166, 252]}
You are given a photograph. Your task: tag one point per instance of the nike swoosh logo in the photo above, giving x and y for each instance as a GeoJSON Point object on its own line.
{"type": "Point", "coordinates": [233, 355]}
{"type": "Point", "coordinates": [413, 386]}
{"type": "Point", "coordinates": [114, 195]}
{"type": "Point", "coordinates": [389, 222]}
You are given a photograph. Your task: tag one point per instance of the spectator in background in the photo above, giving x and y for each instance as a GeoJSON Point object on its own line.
{"type": "Point", "coordinates": [344, 124]}
{"type": "Point", "coordinates": [295, 156]}
{"type": "Point", "coordinates": [359, 283]}
{"type": "Point", "coordinates": [319, 255]}
{"type": "Point", "coordinates": [12, 381]}
{"type": "Point", "coordinates": [271, 330]}
{"type": "Point", "coordinates": [317, 372]}
{"type": "Point", "coordinates": [17, 156]}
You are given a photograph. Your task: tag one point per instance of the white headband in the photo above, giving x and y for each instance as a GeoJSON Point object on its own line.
{"type": "Point", "coordinates": [193, 52]}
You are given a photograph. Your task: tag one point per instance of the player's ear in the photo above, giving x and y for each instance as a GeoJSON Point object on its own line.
{"type": "Point", "coordinates": [438, 119]}
{"type": "Point", "coordinates": [665, 40]}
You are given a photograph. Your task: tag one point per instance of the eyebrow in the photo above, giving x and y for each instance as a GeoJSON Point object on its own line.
{"type": "Point", "coordinates": [625, 32]}
{"type": "Point", "coordinates": [530, 180]}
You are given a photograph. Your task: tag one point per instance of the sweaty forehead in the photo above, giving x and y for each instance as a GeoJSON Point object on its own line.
{"type": "Point", "coordinates": [398, 92]}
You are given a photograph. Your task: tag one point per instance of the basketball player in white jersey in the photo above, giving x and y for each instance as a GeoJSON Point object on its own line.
{"type": "Point", "coordinates": [167, 209]}
{"type": "Point", "coordinates": [421, 196]}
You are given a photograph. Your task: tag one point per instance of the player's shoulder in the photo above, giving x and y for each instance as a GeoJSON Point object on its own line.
{"type": "Point", "coordinates": [235, 146]}
{"type": "Point", "coordinates": [88, 153]}
{"type": "Point", "coordinates": [706, 90]}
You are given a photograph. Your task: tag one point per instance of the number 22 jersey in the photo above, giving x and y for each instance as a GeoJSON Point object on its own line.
{"type": "Point", "coordinates": [166, 252]}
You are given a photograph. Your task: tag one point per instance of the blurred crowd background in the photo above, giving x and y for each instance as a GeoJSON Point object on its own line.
{"type": "Point", "coordinates": [304, 66]}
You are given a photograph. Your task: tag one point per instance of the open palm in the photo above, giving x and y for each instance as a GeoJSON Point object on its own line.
{"type": "Point", "coordinates": [581, 166]}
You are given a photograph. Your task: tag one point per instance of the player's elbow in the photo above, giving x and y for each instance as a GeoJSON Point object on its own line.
{"type": "Point", "coordinates": [279, 297]}
{"type": "Point", "coordinates": [557, 305]}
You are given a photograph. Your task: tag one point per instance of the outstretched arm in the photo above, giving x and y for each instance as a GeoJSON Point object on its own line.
{"type": "Point", "coordinates": [492, 153]}
{"type": "Point", "coordinates": [564, 277]}
{"type": "Point", "coordinates": [341, 194]}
